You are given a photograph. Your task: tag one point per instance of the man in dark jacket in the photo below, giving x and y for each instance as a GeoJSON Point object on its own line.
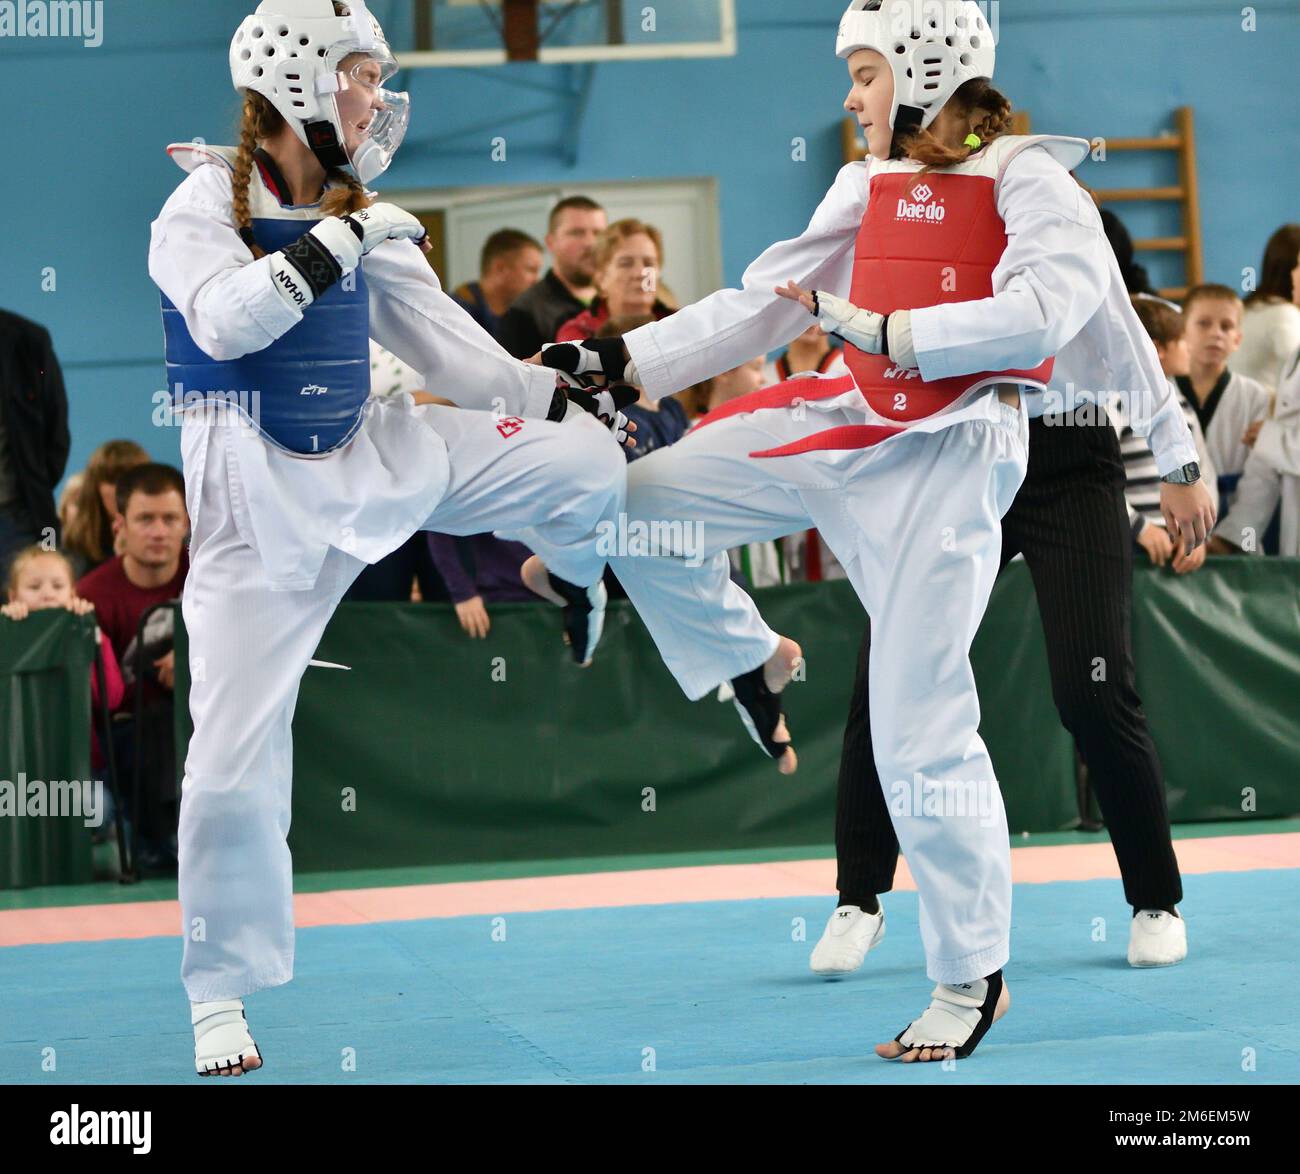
{"type": "Point", "coordinates": [569, 285]}
{"type": "Point", "coordinates": [33, 436]}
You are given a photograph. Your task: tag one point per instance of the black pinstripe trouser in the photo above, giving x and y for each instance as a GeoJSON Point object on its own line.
{"type": "Point", "coordinates": [1069, 521]}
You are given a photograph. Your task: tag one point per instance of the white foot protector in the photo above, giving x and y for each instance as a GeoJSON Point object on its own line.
{"type": "Point", "coordinates": [1157, 938]}
{"type": "Point", "coordinates": [958, 1016]}
{"type": "Point", "coordinates": [221, 1038]}
{"type": "Point", "coordinates": [848, 935]}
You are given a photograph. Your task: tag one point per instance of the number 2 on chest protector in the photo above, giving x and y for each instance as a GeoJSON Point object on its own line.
{"type": "Point", "coordinates": [900, 401]}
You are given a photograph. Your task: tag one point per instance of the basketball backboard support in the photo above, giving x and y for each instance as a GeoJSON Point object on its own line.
{"type": "Point", "coordinates": [471, 33]}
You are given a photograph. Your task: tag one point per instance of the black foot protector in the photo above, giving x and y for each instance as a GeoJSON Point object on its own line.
{"type": "Point", "coordinates": [760, 710]}
{"type": "Point", "coordinates": [584, 615]}
{"type": "Point", "coordinates": [958, 1016]}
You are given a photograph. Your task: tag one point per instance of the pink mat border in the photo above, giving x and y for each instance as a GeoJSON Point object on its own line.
{"type": "Point", "coordinates": [660, 886]}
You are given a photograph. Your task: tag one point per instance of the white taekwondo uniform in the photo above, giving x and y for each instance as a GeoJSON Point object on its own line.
{"type": "Point", "coordinates": [1272, 475]}
{"type": "Point", "coordinates": [910, 504]}
{"type": "Point", "coordinates": [277, 537]}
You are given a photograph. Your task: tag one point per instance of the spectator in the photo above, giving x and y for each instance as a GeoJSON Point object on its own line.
{"type": "Point", "coordinates": [510, 264]}
{"type": "Point", "coordinates": [568, 286]}
{"type": "Point", "coordinates": [33, 436]}
{"type": "Point", "coordinates": [389, 375]}
{"type": "Point", "coordinates": [479, 570]}
{"type": "Point", "coordinates": [736, 382]}
{"type": "Point", "coordinates": [1272, 474]}
{"type": "Point", "coordinates": [91, 534]}
{"type": "Point", "coordinates": [1231, 408]}
{"type": "Point", "coordinates": [628, 259]}
{"type": "Point", "coordinates": [150, 570]}
{"type": "Point", "coordinates": [659, 423]}
{"type": "Point", "coordinates": [1163, 321]}
{"type": "Point", "coordinates": [814, 352]}
{"type": "Point", "coordinates": [1271, 324]}
{"type": "Point", "coordinates": [68, 502]}
{"type": "Point", "coordinates": [1135, 276]}
{"type": "Point", "coordinates": [40, 579]}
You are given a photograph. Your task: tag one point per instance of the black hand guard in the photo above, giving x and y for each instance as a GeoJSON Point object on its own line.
{"type": "Point", "coordinates": [569, 358]}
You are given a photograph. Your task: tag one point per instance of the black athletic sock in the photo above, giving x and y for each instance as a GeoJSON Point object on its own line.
{"type": "Point", "coordinates": [867, 902]}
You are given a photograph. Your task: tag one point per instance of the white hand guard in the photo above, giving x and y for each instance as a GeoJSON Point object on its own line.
{"type": "Point", "coordinates": [381, 222]}
{"type": "Point", "coordinates": [865, 329]}
{"type": "Point", "coordinates": [305, 269]}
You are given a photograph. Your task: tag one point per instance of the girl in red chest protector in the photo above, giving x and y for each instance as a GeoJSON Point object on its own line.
{"type": "Point", "coordinates": [956, 261]}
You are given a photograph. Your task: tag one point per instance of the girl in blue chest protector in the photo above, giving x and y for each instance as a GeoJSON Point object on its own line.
{"type": "Point", "coordinates": [276, 268]}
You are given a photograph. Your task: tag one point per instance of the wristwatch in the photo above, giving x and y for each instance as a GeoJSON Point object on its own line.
{"type": "Point", "coordinates": [1189, 474]}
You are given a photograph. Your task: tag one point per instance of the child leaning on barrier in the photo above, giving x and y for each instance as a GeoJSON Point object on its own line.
{"type": "Point", "coordinates": [41, 579]}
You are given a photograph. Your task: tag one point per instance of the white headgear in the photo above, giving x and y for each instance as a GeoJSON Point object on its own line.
{"type": "Point", "coordinates": [933, 47]}
{"type": "Point", "coordinates": [289, 52]}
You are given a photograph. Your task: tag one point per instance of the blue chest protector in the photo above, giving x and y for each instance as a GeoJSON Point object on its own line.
{"type": "Point", "coordinates": [306, 390]}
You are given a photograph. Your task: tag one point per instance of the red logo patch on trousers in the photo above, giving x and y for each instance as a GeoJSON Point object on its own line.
{"type": "Point", "coordinates": [509, 425]}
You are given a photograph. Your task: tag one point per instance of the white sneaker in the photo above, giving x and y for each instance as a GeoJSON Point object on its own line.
{"type": "Point", "coordinates": [1157, 938]}
{"type": "Point", "coordinates": [848, 936]}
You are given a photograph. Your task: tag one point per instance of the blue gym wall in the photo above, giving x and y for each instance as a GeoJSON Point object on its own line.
{"type": "Point", "coordinates": [87, 127]}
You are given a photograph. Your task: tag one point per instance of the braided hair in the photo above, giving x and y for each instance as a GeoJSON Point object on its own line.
{"type": "Point", "coordinates": [989, 112]}
{"type": "Point", "coordinates": [261, 121]}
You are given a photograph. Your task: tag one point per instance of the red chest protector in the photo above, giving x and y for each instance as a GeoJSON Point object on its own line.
{"type": "Point", "coordinates": [925, 242]}
{"type": "Point", "coordinates": [940, 245]}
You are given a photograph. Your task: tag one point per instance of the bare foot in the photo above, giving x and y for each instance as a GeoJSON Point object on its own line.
{"type": "Point", "coordinates": [777, 674]}
{"type": "Point", "coordinates": [247, 1064]}
{"type": "Point", "coordinates": [536, 579]}
{"type": "Point", "coordinates": [893, 1050]}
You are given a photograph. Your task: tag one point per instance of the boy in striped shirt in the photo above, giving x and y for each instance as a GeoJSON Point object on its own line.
{"type": "Point", "coordinates": [1163, 321]}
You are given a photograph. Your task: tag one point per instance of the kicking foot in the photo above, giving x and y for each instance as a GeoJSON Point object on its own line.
{"type": "Point", "coordinates": [848, 936]}
{"type": "Point", "coordinates": [584, 607]}
{"type": "Point", "coordinates": [222, 1045]}
{"type": "Point", "coordinates": [954, 1022]}
{"type": "Point", "coordinates": [1157, 938]}
{"type": "Point", "coordinates": [756, 700]}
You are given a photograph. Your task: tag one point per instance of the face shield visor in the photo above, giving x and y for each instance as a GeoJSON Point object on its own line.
{"type": "Point", "coordinates": [369, 121]}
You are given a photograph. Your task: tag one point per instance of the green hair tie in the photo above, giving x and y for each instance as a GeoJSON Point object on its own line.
{"type": "Point", "coordinates": [973, 140]}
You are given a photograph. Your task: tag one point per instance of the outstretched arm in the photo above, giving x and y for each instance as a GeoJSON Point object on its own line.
{"type": "Point", "coordinates": [730, 327]}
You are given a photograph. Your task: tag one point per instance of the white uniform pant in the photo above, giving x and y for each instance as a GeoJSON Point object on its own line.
{"type": "Point", "coordinates": [549, 486]}
{"type": "Point", "coordinates": [916, 523]}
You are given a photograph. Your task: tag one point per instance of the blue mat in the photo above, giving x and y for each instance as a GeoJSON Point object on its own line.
{"type": "Point", "coordinates": [707, 993]}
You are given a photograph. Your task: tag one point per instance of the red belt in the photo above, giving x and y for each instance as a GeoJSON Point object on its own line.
{"type": "Point", "coordinates": [784, 395]}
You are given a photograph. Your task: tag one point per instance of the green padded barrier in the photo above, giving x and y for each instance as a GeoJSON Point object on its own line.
{"type": "Point", "coordinates": [439, 749]}
{"type": "Point", "coordinates": [1218, 669]}
{"type": "Point", "coordinates": [45, 665]}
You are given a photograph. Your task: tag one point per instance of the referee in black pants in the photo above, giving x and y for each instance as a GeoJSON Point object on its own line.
{"type": "Point", "coordinates": [1070, 522]}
